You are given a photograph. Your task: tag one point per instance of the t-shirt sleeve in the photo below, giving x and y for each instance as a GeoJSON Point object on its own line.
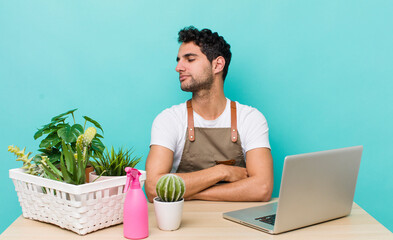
{"type": "Point", "coordinates": [164, 130]}
{"type": "Point", "coordinates": [256, 131]}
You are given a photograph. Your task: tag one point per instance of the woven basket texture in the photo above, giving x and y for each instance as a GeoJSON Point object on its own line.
{"type": "Point", "coordinates": [81, 209]}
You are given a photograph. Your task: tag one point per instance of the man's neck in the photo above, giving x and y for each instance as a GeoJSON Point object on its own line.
{"type": "Point", "coordinates": [209, 104]}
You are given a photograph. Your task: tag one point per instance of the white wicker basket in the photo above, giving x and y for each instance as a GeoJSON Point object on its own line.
{"type": "Point", "coordinates": [79, 208]}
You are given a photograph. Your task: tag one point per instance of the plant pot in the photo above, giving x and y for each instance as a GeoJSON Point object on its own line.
{"type": "Point", "coordinates": [88, 170]}
{"type": "Point", "coordinates": [80, 208]}
{"type": "Point", "coordinates": [168, 214]}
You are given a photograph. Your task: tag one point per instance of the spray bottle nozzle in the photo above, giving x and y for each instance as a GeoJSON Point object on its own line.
{"type": "Point", "coordinates": [132, 175]}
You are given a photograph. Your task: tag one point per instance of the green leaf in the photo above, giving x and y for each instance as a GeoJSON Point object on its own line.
{"type": "Point", "coordinates": [41, 131]}
{"type": "Point", "coordinates": [54, 158]}
{"type": "Point", "coordinates": [63, 168]}
{"type": "Point", "coordinates": [94, 122]}
{"type": "Point", "coordinates": [51, 140]}
{"type": "Point", "coordinates": [50, 174]}
{"type": "Point", "coordinates": [63, 114]}
{"type": "Point", "coordinates": [79, 128]}
{"type": "Point", "coordinates": [54, 169]}
{"type": "Point", "coordinates": [57, 120]}
{"type": "Point", "coordinates": [70, 134]}
{"type": "Point", "coordinates": [68, 156]}
{"type": "Point", "coordinates": [38, 134]}
{"type": "Point", "coordinates": [97, 145]}
{"type": "Point", "coordinates": [99, 136]}
{"type": "Point", "coordinates": [44, 127]}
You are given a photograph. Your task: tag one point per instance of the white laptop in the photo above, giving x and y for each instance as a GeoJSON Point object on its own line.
{"type": "Point", "coordinates": [315, 187]}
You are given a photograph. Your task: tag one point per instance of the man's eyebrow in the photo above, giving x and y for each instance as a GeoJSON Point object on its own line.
{"type": "Point", "coordinates": [187, 55]}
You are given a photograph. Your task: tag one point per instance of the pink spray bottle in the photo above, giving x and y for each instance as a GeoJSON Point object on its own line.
{"type": "Point", "coordinates": [135, 215]}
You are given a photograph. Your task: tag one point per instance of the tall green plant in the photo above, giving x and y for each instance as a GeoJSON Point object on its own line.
{"type": "Point", "coordinates": [59, 130]}
{"type": "Point", "coordinates": [72, 165]}
{"type": "Point", "coordinates": [113, 163]}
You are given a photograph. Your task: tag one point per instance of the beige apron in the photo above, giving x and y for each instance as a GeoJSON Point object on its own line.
{"type": "Point", "coordinates": [206, 147]}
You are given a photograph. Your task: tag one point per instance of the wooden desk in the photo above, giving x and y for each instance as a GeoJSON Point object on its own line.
{"type": "Point", "coordinates": [203, 220]}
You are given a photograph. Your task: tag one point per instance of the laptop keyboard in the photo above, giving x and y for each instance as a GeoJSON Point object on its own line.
{"type": "Point", "coordinates": [267, 219]}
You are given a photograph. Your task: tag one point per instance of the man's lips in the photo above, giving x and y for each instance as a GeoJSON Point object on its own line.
{"type": "Point", "coordinates": [183, 77]}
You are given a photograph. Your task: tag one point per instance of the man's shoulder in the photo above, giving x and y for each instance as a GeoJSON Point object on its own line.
{"type": "Point", "coordinates": [246, 109]}
{"type": "Point", "coordinates": [248, 113]}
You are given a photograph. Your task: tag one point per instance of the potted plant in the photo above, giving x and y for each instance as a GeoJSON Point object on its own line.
{"type": "Point", "coordinates": [51, 186]}
{"type": "Point", "coordinates": [168, 204]}
{"type": "Point", "coordinates": [112, 164]}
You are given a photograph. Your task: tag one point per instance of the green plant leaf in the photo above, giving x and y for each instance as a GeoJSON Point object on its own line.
{"type": "Point", "coordinates": [63, 168]}
{"type": "Point", "coordinates": [99, 136]}
{"type": "Point", "coordinates": [97, 145]}
{"type": "Point", "coordinates": [70, 134]}
{"type": "Point", "coordinates": [57, 120]}
{"type": "Point", "coordinates": [63, 114]}
{"type": "Point", "coordinates": [79, 128]}
{"type": "Point", "coordinates": [51, 140]}
{"type": "Point", "coordinates": [38, 134]}
{"type": "Point", "coordinates": [41, 130]}
{"type": "Point", "coordinates": [54, 170]}
{"type": "Point", "coordinates": [50, 174]}
{"type": "Point", "coordinates": [93, 122]}
{"type": "Point", "coordinates": [54, 158]}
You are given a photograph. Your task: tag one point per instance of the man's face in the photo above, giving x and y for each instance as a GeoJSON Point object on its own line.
{"type": "Point", "coordinates": [195, 70]}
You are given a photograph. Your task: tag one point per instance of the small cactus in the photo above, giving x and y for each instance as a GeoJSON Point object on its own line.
{"type": "Point", "coordinates": [83, 141]}
{"type": "Point", "coordinates": [88, 136]}
{"type": "Point", "coordinates": [170, 188]}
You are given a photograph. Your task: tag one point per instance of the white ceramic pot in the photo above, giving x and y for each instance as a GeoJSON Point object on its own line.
{"type": "Point", "coordinates": [168, 214]}
{"type": "Point", "coordinates": [112, 191]}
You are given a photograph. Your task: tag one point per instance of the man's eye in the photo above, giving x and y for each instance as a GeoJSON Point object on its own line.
{"type": "Point", "coordinates": [190, 60]}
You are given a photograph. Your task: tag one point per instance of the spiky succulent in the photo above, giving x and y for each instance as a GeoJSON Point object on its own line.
{"type": "Point", "coordinates": [112, 163]}
{"type": "Point", "coordinates": [28, 163]}
{"type": "Point", "coordinates": [170, 188]}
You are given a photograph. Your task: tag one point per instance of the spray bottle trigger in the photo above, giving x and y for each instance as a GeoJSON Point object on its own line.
{"type": "Point", "coordinates": [128, 170]}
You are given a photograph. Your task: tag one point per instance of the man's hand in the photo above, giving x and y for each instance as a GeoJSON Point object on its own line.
{"type": "Point", "coordinates": [233, 173]}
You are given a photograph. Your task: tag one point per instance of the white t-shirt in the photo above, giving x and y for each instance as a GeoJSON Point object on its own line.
{"type": "Point", "coordinates": [170, 126]}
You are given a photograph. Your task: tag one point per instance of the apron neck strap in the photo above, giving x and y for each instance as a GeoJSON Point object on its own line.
{"type": "Point", "coordinates": [190, 116]}
{"type": "Point", "coordinates": [233, 122]}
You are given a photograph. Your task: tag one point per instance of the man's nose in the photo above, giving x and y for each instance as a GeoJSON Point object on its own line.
{"type": "Point", "coordinates": [179, 67]}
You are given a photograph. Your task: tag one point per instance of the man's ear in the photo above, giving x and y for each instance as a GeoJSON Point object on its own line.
{"type": "Point", "coordinates": [218, 64]}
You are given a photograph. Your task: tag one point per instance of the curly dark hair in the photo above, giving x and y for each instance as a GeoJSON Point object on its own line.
{"type": "Point", "coordinates": [211, 44]}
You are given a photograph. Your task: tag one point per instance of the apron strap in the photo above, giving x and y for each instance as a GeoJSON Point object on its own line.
{"type": "Point", "coordinates": [233, 122]}
{"type": "Point", "coordinates": [190, 115]}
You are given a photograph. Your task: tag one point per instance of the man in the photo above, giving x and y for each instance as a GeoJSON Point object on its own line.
{"type": "Point", "coordinates": [219, 147]}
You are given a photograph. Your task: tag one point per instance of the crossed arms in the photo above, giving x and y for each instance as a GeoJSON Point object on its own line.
{"type": "Point", "coordinates": [253, 183]}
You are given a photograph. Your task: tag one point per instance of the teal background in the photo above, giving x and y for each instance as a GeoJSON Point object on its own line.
{"type": "Point", "coordinates": [320, 71]}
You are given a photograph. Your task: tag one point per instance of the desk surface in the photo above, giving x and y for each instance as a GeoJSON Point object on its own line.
{"type": "Point", "coordinates": [203, 220]}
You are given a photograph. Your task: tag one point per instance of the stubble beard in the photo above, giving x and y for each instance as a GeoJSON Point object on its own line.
{"type": "Point", "coordinates": [196, 86]}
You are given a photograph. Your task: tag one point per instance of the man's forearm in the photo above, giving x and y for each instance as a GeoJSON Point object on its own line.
{"type": "Point", "coordinates": [195, 181]}
{"type": "Point", "coordinates": [249, 189]}
{"type": "Point", "coordinates": [201, 180]}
